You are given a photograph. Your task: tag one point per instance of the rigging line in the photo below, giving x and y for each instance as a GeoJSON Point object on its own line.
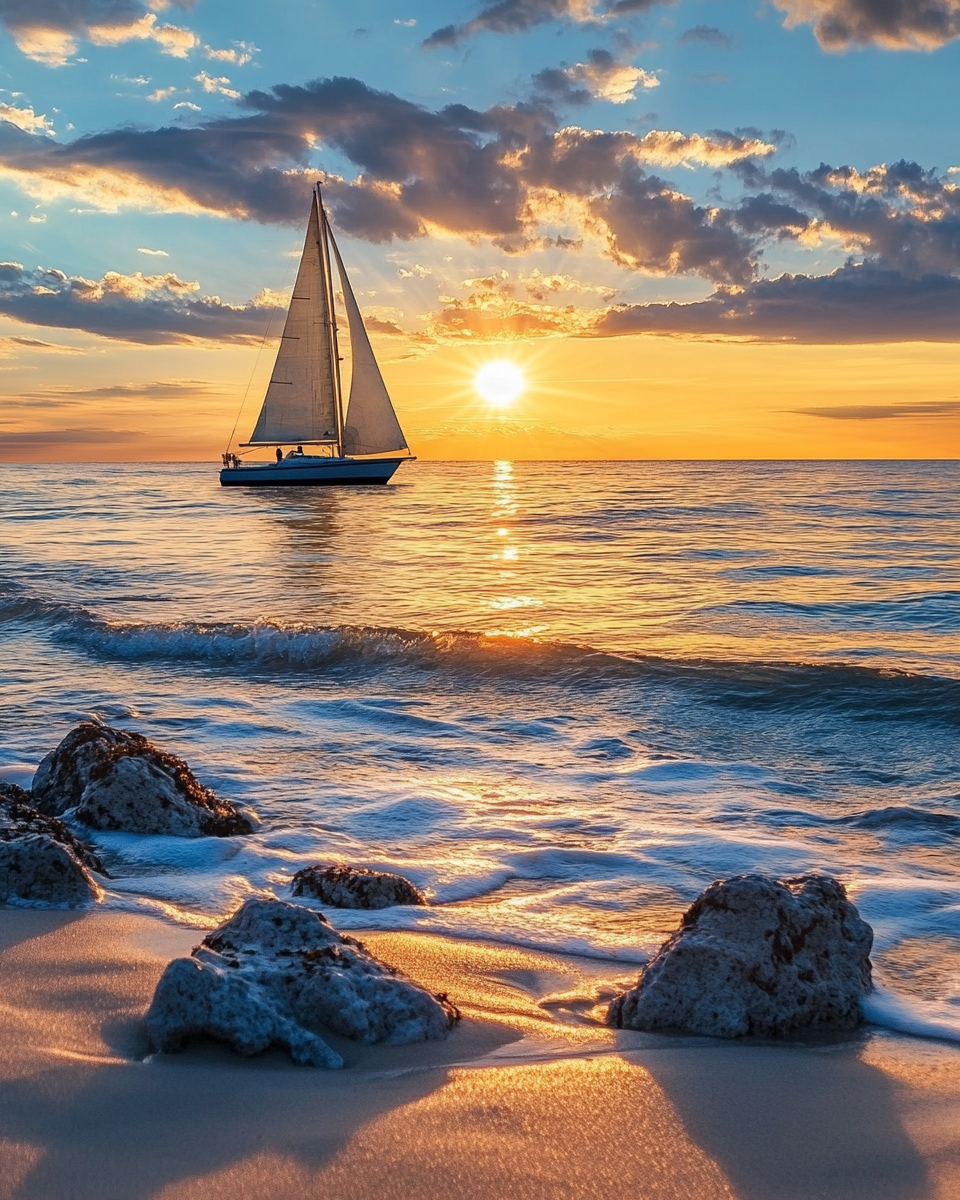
{"type": "Point", "coordinates": [256, 361]}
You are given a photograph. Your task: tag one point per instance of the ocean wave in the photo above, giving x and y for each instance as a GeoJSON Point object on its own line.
{"type": "Point", "coordinates": [270, 646]}
{"type": "Point", "coordinates": [267, 646]}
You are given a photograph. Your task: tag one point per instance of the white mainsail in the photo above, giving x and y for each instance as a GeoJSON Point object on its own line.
{"type": "Point", "coordinates": [301, 400]}
{"type": "Point", "coordinates": [370, 425]}
{"type": "Point", "coordinates": [303, 403]}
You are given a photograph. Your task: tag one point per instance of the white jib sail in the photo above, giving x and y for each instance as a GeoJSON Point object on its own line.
{"type": "Point", "coordinates": [300, 404]}
{"type": "Point", "coordinates": [370, 424]}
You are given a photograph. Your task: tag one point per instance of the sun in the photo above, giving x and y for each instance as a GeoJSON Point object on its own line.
{"type": "Point", "coordinates": [499, 383]}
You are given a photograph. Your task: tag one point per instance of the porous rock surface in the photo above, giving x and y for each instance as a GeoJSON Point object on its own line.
{"type": "Point", "coordinates": [117, 780]}
{"type": "Point", "coordinates": [36, 867]}
{"type": "Point", "coordinates": [755, 955]}
{"type": "Point", "coordinates": [40, 859]}
{"type": "Point", "coordinates": [355, 887]}
{"type": "Point", "coordinates": [276, 974]}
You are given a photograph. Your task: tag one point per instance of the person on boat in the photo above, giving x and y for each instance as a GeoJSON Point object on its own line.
{"type": "Point", "coordinates": [279, 454]}
{"type": "Point", "coordinates": [225, 459]}
{"type": "Point", "coordinates": [235, 460]}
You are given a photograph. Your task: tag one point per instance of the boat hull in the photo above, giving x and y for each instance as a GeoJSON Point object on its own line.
{"type": "Point", "coordinates": [310, 471]}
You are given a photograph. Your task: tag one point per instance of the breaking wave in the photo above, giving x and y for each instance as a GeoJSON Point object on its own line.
{"type": "Point", "coordinates": [267, 646]}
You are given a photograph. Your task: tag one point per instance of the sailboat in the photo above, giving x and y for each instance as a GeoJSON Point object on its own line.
{"type": "Point", "coordinates": [304, 401]}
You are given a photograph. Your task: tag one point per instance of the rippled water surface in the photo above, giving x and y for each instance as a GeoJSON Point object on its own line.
{"type": "Point", "coordinates": [561, 697]}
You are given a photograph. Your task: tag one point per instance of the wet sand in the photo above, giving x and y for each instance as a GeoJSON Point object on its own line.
{"type": "Point", "coordinates": [529, 1098]}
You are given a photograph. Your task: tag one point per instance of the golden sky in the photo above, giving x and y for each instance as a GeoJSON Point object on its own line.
{"type": "Point", "coordinates": [626, 397]}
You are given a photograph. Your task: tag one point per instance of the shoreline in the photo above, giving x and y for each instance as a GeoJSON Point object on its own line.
{"type": "Point", "coordinates": [527, 1098]}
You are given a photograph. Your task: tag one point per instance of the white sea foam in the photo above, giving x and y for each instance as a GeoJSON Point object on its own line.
{"type": "Point", "coordinates": [921, 1018]}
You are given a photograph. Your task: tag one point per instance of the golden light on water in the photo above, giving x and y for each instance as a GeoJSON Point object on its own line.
{"type": "Point", "coordinates": [499, 383]}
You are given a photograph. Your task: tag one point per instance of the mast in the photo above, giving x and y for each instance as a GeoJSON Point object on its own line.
{"type": "Point", "coordinates": [327, 275]}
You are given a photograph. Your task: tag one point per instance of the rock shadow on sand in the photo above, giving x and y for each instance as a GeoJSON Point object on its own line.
{"type": "Point", "coordinates": [792, 1122]}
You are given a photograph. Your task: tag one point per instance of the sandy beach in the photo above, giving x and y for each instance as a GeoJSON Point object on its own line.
{"type": "Point", "coordinates": [528, 1098]}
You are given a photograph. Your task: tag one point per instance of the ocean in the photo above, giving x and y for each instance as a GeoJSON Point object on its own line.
{"type": "Point", "coordinates": [560, 697]}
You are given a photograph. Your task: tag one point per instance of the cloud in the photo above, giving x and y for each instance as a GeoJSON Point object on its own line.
{"type": "Point", "coordinates": [26, 119]}
{"type": "Point", "coordinates": [158, 389]}
{"type": "Point", "coordinates": [510, 174]}
{"type": "Point", "coordinates": [707, 35]}
{"type": "Point", "coordinates": [69, 437]}
{"type": "Point", "coordinates": [13, 344]}
{"type": "Point", "coordinates": [893, 24]}
{"type": "Point", "coordinates": [160, 94]}
{"type": "Point", "coordinates": [48, 31]}
{"type": "Point", "coordinates": [150, 310]}
{"type": "Point", "coordinates": [495, 314]}
{"type": "Point", "coordinates": [900, 213]}
{"type": "Point", "coordinates": [601, 77]}
{"type": "Point", "coordinates": [518, 16]}
{"type": "Point", "coordinates": [540, 286]}
{"type": "Point", "coordinates": [376, 325]}
{"type": "Point", "coordinates": [239, 54]}
{"type": "Point", "coordinates": [879, 412]}
{"type": "Point", "coordinates": [153, 253]}
{"type": "Point", "coordinates": [854, 304]}
{"type": "Point", "coordinates": [216, 85]}
{"type": "Point", "coordinates": [505, 307]}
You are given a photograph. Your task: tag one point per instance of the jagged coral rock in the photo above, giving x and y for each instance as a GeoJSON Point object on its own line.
{"type": "Point", "coordinates": [755, 955]}
{"type": "Point", "coordinates": [277, 974]}
{"type": "Point", "coordinates": [17, 818]}
{"type": "Point", "coordinates": [355, 887]}
{"type": "Point", "coordinates": [12, 793]}
{"type": "Point", "coordinates": [114, 779]}
{"type": "Point", "coordinates": [40, 859]}
{"type": "Point", "coordinates": [35, 867]}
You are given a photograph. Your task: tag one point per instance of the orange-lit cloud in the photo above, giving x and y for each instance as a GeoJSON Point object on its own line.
{"type": "Point", "coordinates": [26, 119]}
{"type": "Point", "coordinates": [148, 309]}
{"type": "Point", "coordinates": [601, 77]}
{"type": "Point", "coordinates": [48, 32]}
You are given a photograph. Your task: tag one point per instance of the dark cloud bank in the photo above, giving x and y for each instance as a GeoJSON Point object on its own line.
{"type": "Point", "coordinates": [837, 24]}
{"type": "Point", "coordinates": [865, 303]}
{"type": "Point", "coordinates": [517, 16]}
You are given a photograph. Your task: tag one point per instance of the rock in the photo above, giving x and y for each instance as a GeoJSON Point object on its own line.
{"type": "Point", "coordinates": [275, 974]}
{"type": "Point", "coordinates": [40, 859]}
{"type": "Point", "coordinates": [355, 887]}
{"type": "Point", "coordinates": [13, 792]}
{"type": "Point", "coordinates": [119, 780]}
{"type": "Point", "coordinates": [755, 955]}
{"type": "Point", "coordinates": [18, 819]}
{"type": "Point", "coordinates": [37, 867]}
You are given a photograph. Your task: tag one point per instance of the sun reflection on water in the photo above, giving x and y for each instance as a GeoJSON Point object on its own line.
{"type": "Point", "coordinates": [506, 551]}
